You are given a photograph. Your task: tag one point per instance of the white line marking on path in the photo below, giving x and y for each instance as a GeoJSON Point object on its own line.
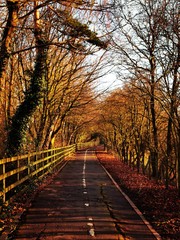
{"type": "Point", "coordinates": [92, 232]}
{"type": "Point", "coordinates": [90, 219]}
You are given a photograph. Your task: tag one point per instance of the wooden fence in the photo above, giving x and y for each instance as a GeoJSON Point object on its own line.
{"type": "Point", "coordinates": [17, 172]}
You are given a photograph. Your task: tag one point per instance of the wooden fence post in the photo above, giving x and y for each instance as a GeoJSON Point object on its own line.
{"type": "Point", "coordinates": [18, 166]}
{"type": "Point", "coordinates": [29, 164]}
{"type": "Point", "coordinates": [4, 183]}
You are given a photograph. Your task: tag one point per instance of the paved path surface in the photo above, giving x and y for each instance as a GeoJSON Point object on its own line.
{"type": "Point", "coordinates": [82, 203]}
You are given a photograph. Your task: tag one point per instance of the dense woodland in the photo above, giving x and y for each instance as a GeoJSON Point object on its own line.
{"type": "Point", "coordinates": [52, 55]}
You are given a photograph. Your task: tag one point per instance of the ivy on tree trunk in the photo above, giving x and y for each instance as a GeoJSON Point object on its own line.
{"type": "Point", "coordinates": [31, 101]}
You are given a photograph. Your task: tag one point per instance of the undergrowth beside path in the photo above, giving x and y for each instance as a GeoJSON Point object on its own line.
{"type": "Point", "coordinates": [161, 207]}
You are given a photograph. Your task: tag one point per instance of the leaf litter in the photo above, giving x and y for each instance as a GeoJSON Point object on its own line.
{"type": "Point", "coordinates": [160, 206]}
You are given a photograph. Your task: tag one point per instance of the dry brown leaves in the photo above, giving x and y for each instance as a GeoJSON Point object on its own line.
{"type": "Point", "coordinates": [160, 206]}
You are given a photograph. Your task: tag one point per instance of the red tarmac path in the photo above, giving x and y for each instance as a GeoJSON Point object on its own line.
{"type": "Point", "coordinates": [82, 202]}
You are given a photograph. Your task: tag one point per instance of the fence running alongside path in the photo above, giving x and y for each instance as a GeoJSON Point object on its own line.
{"type": "Point", "coordinates": [16, 171]}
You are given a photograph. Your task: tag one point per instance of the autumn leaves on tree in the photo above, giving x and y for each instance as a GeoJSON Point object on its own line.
{"type": "Point", "coordinates": [143, 123]}
{"type": "Point", "coordinates": [42, 26]}
{"type": "Point", "coordinates": [48, 74]}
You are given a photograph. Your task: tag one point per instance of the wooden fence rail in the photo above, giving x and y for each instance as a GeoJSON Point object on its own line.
{"type": "Point", "coordinates": [16, 171]}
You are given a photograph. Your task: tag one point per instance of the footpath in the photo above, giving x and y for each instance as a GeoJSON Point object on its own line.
{"type": "Point", "coordinates": [82, 202]}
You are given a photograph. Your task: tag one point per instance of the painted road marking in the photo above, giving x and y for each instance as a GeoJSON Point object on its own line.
{"type": "Point", "coordinates": [90, 219]}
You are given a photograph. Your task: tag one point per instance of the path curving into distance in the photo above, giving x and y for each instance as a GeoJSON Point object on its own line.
{"type": "Point", "coordinates": [83, 202]}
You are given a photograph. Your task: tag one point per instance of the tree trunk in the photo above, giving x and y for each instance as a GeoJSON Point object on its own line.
{"type": "Point", "coordinates": [178, 165]}
{"type": "Point", "coordinates": [33, 96]}
{"type": "Point", "coordinates": [154, 151]}
{"type": "Point", "coordinates": [6, 42]}
{"type": "Point", "coordinates": [168, 146]}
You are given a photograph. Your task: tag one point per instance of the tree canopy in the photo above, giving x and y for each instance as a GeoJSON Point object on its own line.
{"type": "Point", "coordinates": [48, 75]}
